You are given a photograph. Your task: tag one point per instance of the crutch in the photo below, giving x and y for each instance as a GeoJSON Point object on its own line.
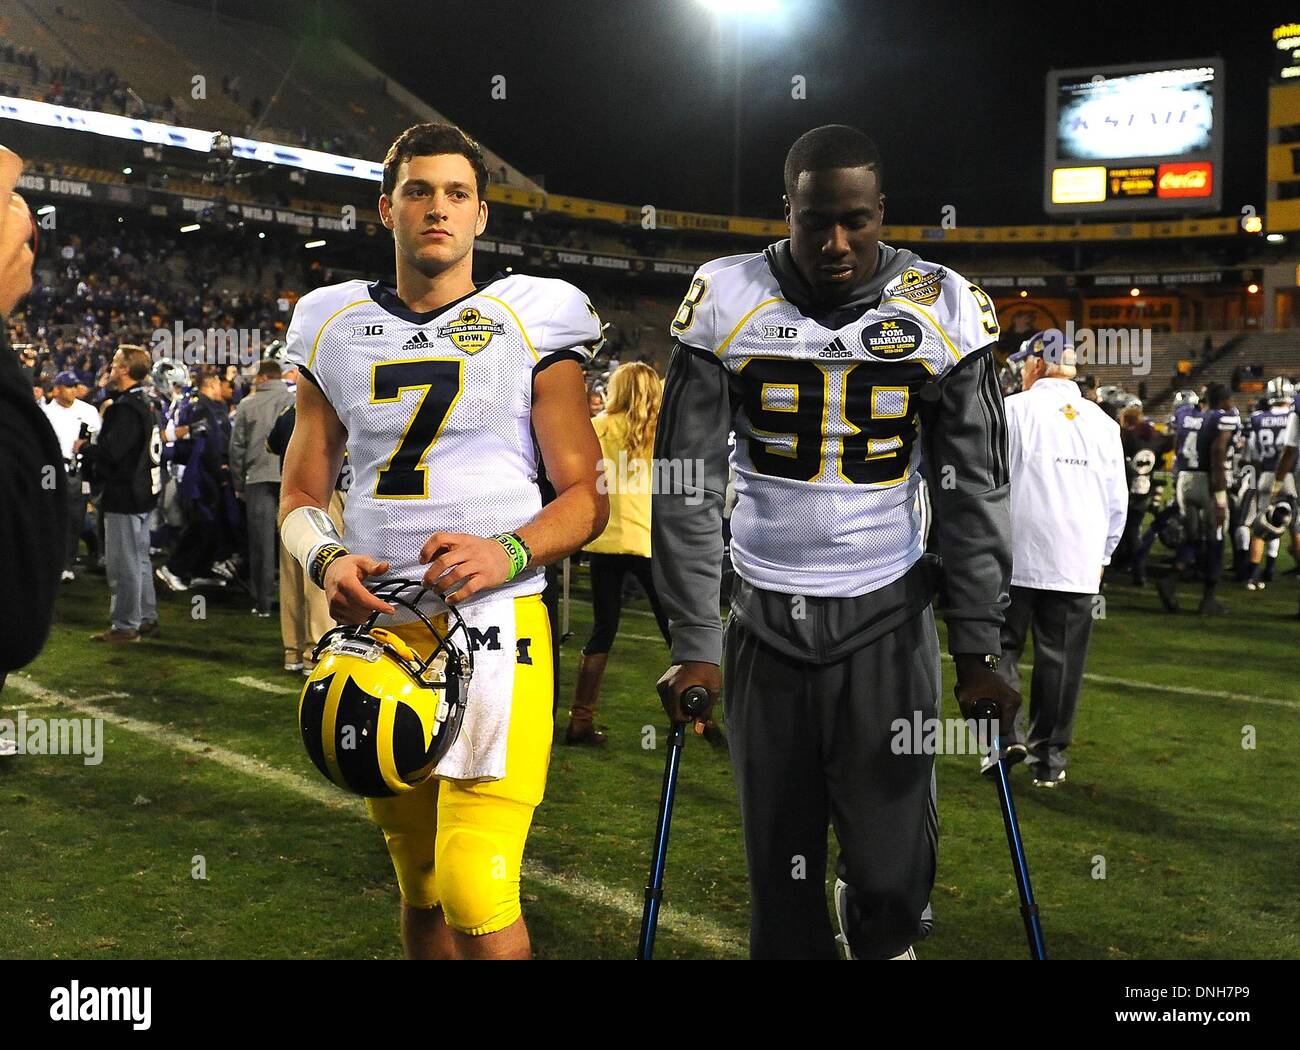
{"type": "Point", "coordinates": [694, 702]}
{"type": "Point", "coordinates": [988, 710]}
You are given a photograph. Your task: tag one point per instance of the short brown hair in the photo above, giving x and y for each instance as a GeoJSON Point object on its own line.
{"type": "Point", "coordinates": [270, 369]}
{"type": "Point", "coordinates": [425, 140]}
{"type": "Point", "coordinates": [137, 361]}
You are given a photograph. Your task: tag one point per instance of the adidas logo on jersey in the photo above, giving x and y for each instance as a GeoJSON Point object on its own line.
{"type": "Point", "coordinates": [419, 341]}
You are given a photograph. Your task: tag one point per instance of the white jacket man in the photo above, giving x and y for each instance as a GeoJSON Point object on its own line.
{"type": "Point", "coordinates": [1069, 501]}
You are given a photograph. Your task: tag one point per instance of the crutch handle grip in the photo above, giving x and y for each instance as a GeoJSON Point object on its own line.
{"type": "Point", "coordinates": [695, 701]}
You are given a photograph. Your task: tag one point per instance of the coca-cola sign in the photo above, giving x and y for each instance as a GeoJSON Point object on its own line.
{"type": "Point", "coordinates": [1190, 179]}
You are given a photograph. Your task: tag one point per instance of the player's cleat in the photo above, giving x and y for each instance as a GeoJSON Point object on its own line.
{"type": "Point", "coordinates": [908, 956]}
{"type": "Point", "coordinates": [1051, 780]}
{"type": "Point", "coordinates": [1255, 585]}
{"type": "Point", "coordinates": [1212, 607]}
{"type": "Point", "coordinates": [173, 582]}
{"type": "Point", "coordinates": [292, 660]}
{"type": "Point", "coordinates": [149, 629]}
{"type": "Point", "coordinates": [260, 614]}
{"type": "Point", "coordinates": [67, 576]}
{"type": "Point", "coordinates": [288, 666]}
{"type": "Point", "coordinates": [224, 569]}
{"type": "Point", "coordinates": [1012, 755]}
{"type": "Point", "coordinates": [113, 635]}
{"type": "Point", "coordinates": [1165, 588]}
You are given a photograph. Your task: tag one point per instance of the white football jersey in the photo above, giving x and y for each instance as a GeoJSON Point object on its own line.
{"type": "Point", "coordinates": [827, 448]}
{"type": "Point", "coordinates": [438, 407]}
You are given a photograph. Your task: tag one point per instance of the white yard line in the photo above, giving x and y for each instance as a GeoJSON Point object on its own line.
{"type": "Point", "coordinates": [700, 931]}
{"type": "Point", "coordinates": [267, 687]}
{"type": "Point", "coordinates": [1181, 690]}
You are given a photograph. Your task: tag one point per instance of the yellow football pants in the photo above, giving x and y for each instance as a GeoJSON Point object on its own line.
{"type": "Point", "coordinates": [460, 844]}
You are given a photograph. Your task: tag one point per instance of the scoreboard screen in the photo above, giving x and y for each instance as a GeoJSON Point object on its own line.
{"type": "Point", "coordinates": [1141, 138]}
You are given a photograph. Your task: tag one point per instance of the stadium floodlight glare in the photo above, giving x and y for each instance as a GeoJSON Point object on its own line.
{"type": "Point", "coordinates": [1135, 292]}
{"type": "Point", "coordinates": [45, 210]}
{"type": "Point", "coordinates": [743, 8]}
{"type": "Point", "coordinates": [1252, 289]}
{"type": "Point", "coordinates": [1275, 238]}
{"type": "Point", "coordinates": [126, 171]}
{"type": "Point", "coordinates": [314, 244]}
{"type": "Point", "coordinates": [191, 228]}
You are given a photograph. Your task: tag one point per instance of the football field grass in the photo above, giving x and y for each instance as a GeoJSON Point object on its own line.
{"type": "Point", "coordinates": [203, 772]}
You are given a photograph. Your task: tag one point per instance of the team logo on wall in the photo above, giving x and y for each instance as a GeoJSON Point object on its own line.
{"type": "Point", "coordinates": [891, 339]}
{"type": "Point", "coordinates": [923, 288]}
{"type": "Point", "coordinates": [471, 331]}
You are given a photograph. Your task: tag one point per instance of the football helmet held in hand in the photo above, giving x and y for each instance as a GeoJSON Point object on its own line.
{"type": "Point", "coordinates": [378, 712]}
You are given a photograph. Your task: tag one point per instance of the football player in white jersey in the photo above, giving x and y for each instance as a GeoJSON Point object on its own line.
{"type": "Point", "coordinates": [443, 394]}
{"type": "Point", "coordinates": [834, 358]}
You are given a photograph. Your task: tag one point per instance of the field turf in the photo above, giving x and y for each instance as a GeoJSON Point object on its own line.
{"type": "Point", "coordinates": [1194, 833]}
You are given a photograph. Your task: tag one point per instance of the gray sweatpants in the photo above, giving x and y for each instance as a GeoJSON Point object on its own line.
{"type": "Point", "coordinates": [1062, 625]}
{"type": "Point", "coordinates": [130, 573]}
{"type": "Point", "coordinates": [811, 746]}
{"type": "Point", "coordinates": [262, 498]}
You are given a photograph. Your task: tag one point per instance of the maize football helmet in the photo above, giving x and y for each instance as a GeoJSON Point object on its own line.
{"type": "Point", "coordinates": [376, 717]}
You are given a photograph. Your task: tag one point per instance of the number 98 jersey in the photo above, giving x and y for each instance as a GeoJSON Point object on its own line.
{"type": "Point", "coordinates": [827, 451]}
{"type": "Point", "coordinates": [438, 406]}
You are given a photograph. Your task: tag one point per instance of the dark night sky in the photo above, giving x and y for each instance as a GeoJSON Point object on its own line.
{"type": "Point", "coordinates": [632, 101]}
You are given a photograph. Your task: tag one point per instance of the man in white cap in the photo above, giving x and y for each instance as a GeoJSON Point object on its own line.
{"type": "Point", "coordinates": [1069, 500]}
{"type": "Point", "coordinates": [74, 423]}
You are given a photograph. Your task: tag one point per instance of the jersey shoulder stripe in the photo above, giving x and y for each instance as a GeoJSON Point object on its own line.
{"type": "Point", "coordinates": [958, 309]}
{"type": "Point", "coordinates": [552, 314]}
{"type": "Point", "coordinates": [723, 295]}
{"type": "Point", "coordinates": [313, 314]}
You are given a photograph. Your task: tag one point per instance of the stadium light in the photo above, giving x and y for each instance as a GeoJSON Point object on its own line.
{"type": "Point", "coordinates": [1252, 289]}
{"type": "Point", "coordinates": [126, 171]}
{"type": "Point", "coordinates": [1275, 238]}
{"type": "Point", "coordinates": [738, 12]}
{"type": "Point", "coordinates": [1135, 292]}
{"type": "Point", "coordinates": [743, 8]}
{"type": "Point", "coordinates": [1024, 294]}
{"type": "Point", "coordinates": [314, 244]}
{"type": "Point", "coordinates": [45, 210]}
{"type": "Point", "coordinates": [191, 228]}
{"type": "Point", "coordinates": [261, 235]}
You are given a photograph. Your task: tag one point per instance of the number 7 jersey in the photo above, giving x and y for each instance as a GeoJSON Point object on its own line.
{"type": "Point", "coordinates": [827, 453]}
{"type": "Point", "coordinates": [438, 406]}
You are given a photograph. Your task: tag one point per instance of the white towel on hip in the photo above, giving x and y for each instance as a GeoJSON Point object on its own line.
{"type": "Point", "coordinates": [479, 752]}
